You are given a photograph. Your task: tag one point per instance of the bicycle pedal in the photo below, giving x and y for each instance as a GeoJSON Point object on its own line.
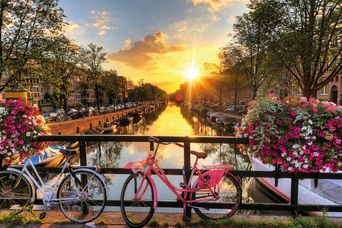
{"type": "Point", "coordinates": [182, 185]}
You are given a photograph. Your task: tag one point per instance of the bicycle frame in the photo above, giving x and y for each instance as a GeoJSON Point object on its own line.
{"type": "Point", "coordinates": [151, 166]}
{"type": "Point", "coordinates": [40, 185]}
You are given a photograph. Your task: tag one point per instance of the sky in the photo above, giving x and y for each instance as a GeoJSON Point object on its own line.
{"type": "Point", "coordinates": [154, 40]}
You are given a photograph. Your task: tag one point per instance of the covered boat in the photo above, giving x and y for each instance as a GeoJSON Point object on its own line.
{"type": "Point", "coordinates": [48, 158]}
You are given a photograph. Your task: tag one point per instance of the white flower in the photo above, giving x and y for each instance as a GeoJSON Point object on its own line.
{"type": "Point", "coordinates": [295, 146]}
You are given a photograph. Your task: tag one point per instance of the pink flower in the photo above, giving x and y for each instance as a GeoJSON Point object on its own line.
{"type": "Point", "coordinates": [303, 99]}
{"type": "Point", "coordinates": [332, 108]}
{"type": "Point", "coordinates": [315, 109]}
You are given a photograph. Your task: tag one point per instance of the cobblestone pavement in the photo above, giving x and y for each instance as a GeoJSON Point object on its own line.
{"type": "Point", "coordinates": [55, 219]}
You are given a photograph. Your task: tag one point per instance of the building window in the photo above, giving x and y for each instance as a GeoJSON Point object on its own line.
{"type": "Point", "coordinates": [299, 92]}
{"type": "Point", "coordinates": [324, 90]}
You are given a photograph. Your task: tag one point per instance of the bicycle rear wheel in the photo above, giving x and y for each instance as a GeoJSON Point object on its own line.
{"type": "Point", "coordinates": [82, 197]}
{"type": "Point", "coordinates": [230, 197]}
{"type": "Point", "coordinates": [137, 212]}
{"type": "Point", "coordinates": [15, 190]}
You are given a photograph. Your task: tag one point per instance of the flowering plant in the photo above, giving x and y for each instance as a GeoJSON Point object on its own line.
{"type": "Point", "coordinates": [20, 124]}
{"type": "Point", "coordinates": [296, 133]}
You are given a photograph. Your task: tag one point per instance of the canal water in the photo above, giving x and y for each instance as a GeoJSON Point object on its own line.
{"type": "Point", "coordinates": [169, 120]}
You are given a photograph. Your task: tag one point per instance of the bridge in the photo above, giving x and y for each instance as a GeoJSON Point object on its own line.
{"type": "Point", "coordinates": [292, 207]}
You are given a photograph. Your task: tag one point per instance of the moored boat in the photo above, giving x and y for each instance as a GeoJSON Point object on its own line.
{"type": "Point", "coordinates": [328, 192]}
{"type": "Point", "coordinates": [48, 158]}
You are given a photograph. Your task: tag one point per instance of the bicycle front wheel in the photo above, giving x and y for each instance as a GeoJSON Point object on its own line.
{"type": "Point", "coordinates": [137, 199]}
{"type": "Point", "coordinates": [15, 190]}
{"type": "Point", "coordinates": [229, 198]}
{"type": "Point", "coordinates": [82, 196]}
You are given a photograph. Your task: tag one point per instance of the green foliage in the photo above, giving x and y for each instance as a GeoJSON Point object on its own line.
{"type": "Point", "coordinates": [253, 36]}
{"type": "Point", "coordinates": [300, 222]}
{"type": "Point", "coordinates": [94, 57]}
{"type": "Point", "coordinates": [76, 105]}
{"type": "Point", "coordinates": [25, 27]}
{"type": "Point", "coordinates": [178, 224]}
{"type": "Point", "coordinates": [58, 64]}
{"type": "Point", "coordinates": [147, 91]}
{"type": "Point", "coordinates": [287, 40]}
{"type": "Point", "coordinates": [22, 217]}
{"type": "Point", "coordinates": [153, 223]}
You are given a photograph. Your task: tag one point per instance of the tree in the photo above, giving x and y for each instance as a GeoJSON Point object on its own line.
{"type": "Point", "coordinates": [94, 58]}
{"type": "Point", "coordinates": [59, 64]}
{"type": "Point", "coordinates": [147, 92]}
{"type": "Point", "coordinates": [111, 84]}
{"type": "Point", "coordinates": [24, 27]}
{"type": "Point", "coordinates": [253, 37]}
{"type": "Point", "coordinates": [231, 65]}
{"type": "Point", "coordinates": [309, 41]}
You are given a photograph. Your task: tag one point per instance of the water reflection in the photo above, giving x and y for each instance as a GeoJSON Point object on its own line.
{"type": "Point", "coordinates": [168, 120]}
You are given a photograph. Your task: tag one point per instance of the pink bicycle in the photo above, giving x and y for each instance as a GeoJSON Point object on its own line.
{"type": "Point", "coordinates": [215, 194]}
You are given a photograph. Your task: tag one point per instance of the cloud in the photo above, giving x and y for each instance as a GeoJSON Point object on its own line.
{"type": "Point", "coordinates": [70, 27]}
{"type": "Point", "coordinates": [145, 53]}
{"type": "Point", "coordinates": [101, 20]}
{"type": "Point", "coordinates": [214, 5]}
{"type": "Point", "coordinates": [215, 18]}
{"type": "Point", "coordinates": [190, 27]}
{"type": "Point", "coordinates": [181, 26]}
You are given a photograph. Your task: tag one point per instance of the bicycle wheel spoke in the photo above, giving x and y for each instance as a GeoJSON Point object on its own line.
{"type": "Point", "coordinates": [14, 189]}
{"type": "Point", "coordinates": [222, 203]}
{"type": "Point", "coordinates": [137, 211]}
{"type": "Point", "coordinates": [89, 205]}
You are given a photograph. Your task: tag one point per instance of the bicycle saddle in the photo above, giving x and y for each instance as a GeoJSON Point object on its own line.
{"type": "Point", "coordinates": [199, 154]}
{"type": "Point", "coordinates": [68, 152]}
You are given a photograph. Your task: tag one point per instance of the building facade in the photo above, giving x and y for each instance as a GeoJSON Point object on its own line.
{"type": "Point", "coordinates": [332, 91]}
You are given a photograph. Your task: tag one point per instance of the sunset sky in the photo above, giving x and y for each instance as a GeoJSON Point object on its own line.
{"type": "Point", "coordinates": [154, 40]}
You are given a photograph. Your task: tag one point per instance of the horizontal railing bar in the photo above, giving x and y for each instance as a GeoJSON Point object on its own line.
{"type": "Point", "coordinates": [241, 173]}
{"type": "Point", "coordinates": [140, 138]}
{"type": "Point", "coordinates": [243, 206]}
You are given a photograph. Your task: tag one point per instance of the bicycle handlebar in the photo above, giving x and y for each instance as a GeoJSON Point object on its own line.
{"type": "Point", "coordinates": [156, 140]}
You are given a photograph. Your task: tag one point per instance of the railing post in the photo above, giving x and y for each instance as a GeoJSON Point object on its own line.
{"type": "Point", "coordinates": [83, 153]}
{"type": "Point", "coordinates": [294, 195]}
{"type": "Point", "coordinates": [83, 162]}
{"type": "Point", "coordinates": [187, 168]}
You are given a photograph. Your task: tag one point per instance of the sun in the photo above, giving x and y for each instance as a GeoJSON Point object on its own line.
{"type": "Point", "coordinates": [192, 73]}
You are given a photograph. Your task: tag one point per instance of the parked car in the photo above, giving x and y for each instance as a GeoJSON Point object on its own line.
{"type": "Point", "coordinates": [50, 117]}
{"type": "Point", "coordinates": [61, 111]}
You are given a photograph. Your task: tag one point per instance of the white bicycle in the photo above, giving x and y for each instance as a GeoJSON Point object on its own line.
{"type": "Point", "coordinates": [81, 195]}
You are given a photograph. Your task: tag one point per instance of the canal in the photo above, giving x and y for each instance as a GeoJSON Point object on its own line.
{"type": "Point", "coordinates": [168, 120]}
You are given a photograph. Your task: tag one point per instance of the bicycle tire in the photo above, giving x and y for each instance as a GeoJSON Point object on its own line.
{"type": "Point", "coordinates": [126, 213]}
{"type": "Point", "coordinates": [77, 210]}
{"type": "Point", "coordinates": [13, 192]}
{"type": "Point", "coordinates": [204, 209]}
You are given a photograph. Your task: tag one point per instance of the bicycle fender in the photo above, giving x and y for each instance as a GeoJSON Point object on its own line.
{"type": "Point", "coordinates": [33, 187]}
{"type": "Point", "coordinates": [95, 173]}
